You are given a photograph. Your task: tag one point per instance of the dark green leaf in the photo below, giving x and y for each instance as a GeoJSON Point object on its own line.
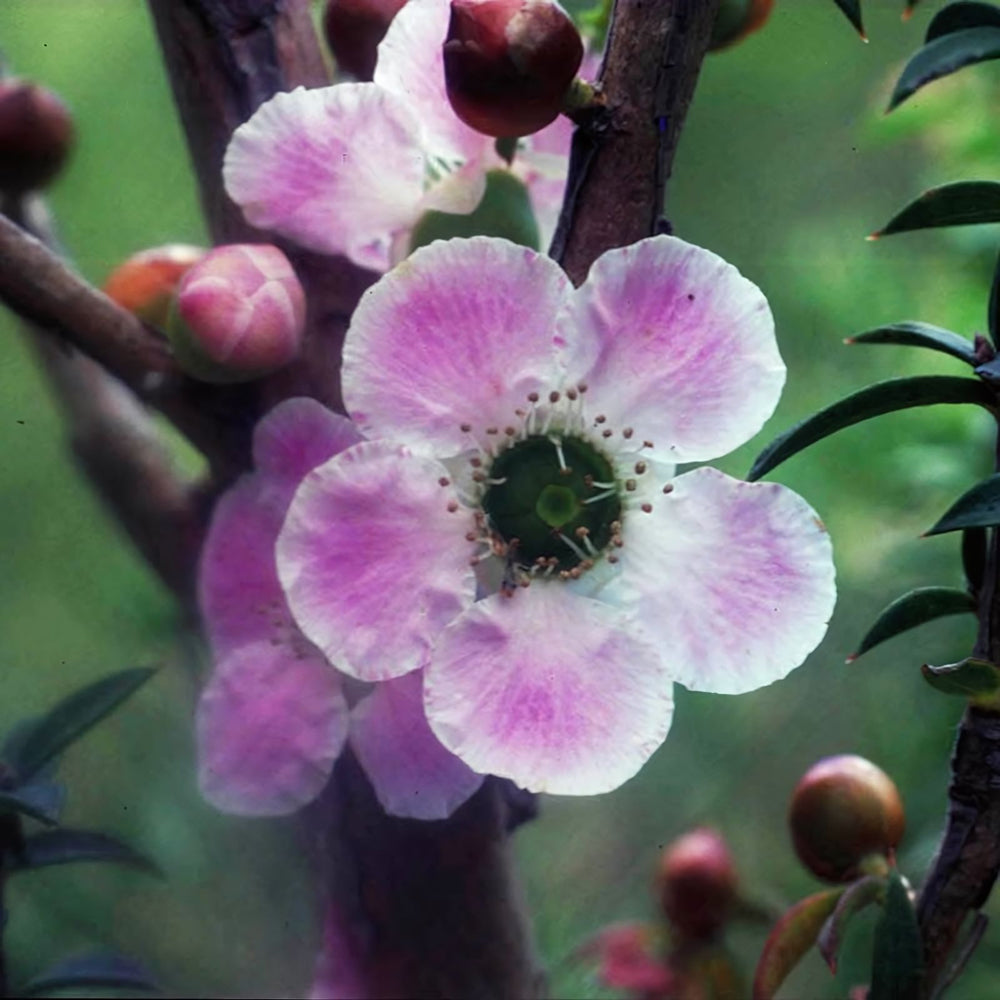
{"type": "Point", "coordinates": [897, 962]}
{"type": "Point", "coordinates": [962, 15]}
{"type": "Point", "coordinates": [969, 678]}
{"type": "Point", "coordinates": [852, 10]}
{"type": "Point", "coordinates": [62, 846]}
{"type": "Point", "coordinates": [791, 937]}
{"type": "Point", "coordinates": [964, 203]}
{"type": "Point", "coordinates": [50, 734]}
{"type": "Point", "coordinates": [976, 508]}
{"type": "Point", "coordinates": [883, 397]}
{"type": "Point", "coordinates": [42, 801]}
{"type": "Point", "coordinates": [100, 970]}
{"type": "Point", "coordinates": [912, 609]}
{"type": "Point", "coordinates": [856, 897]}
{"type": "Point", "coordinates": [945, 55]}
{"type": "Point", "coordinates": [993, 310]}
{"type": "Point", "coordinates": [914, 334]}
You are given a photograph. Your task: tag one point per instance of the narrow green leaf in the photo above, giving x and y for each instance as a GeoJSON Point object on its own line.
{"type": "Point", "coordinates": [897, 962]}
{"type": "Point", "coordinates": [42, 801]}
{"type": "Point", "coordinates": [964, 203]}
{"type": "Point", "coordinates": [969, 678]}
{"type": "Point", "coordinates": [915, 334]}
{"type": "Point", "coordinates": [976, 508]}
{"type": "Point", "coordinates": [962, 15]}
{"type": "Point", "coordinates": [50, 734]}
{"type": "Point", "coordinates": [913, 609]}
{"type": "Point", "coordinates": [856, 897]}
{"type": "Point", "coordinates": [852, 10]}
{"type": "Point", "coordinates": [100, 970]}
{"type": "Point", "coordinates": [64, 846]}
{"type": "Point", "coordinates": [883, 397]}
{"type": "Point", "coordinates": [790, 938]}
{"type": "Point", "coordinates": [944, 56]}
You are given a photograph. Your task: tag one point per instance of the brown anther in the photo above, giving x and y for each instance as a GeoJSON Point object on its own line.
{"type": "Point", "coordinates": [524, 582]}
{"type": "Point", "coordinates": [567, 471]}
{"type": "Point", "coordinates": [582, 386]}
{"type": "Point", "coordinates": [600, 419]}
{"type": "Point", "coordinates": [630, 485]}
{"type": "Point", "coordinates": [479, 477]}
{"type": "Point", "coordinates": [612, 558]}
{"type": "Point", "coordinates": [532, 397]}
{"type": "Point", "coordinates": [520, 413]}
{"type": "Point", "coordinates": [575, 573]}
{"type": "Point", "coordinates": [647, 508]}
{"type": "Point", "coordinates": [607, 432]}
{"type": "Point", "coordinates": [668, 488]}
{"type": "Point", "coordinates": [541, 561]}
{"type": "Point", "coordinates": [496, 430]}
{"type": "Point", "coordinates": [465, 428]}
{"type": "Point", "coordinates": [472, 536]}
{"type": "Point", "coordinates": [582, 531]}
{"type": "Point", "coordinates": [640, 468]}
{"type": "Point", "coordinates": [554, 396]}
{"type": "Point", "coordinates": [563, 574]}
{"type": "Point", "coordinates": [647, 444]}
{"type": "Point", "coordinates": [572, 394]}
{"type": "Point", "coordinates": [476, 462]}
{"type": "Point", "coordinates": [617, 541]}
{"type": "Point", "coordinates": [588, 481]}
{"type": "Point", "coordinates": [510, 431]}
{"type": "Point", "coordinates": [452, 506]}
{"type": "Point", "coordinates": [552, 561]}
{"type": "Point", "coordinates": [627, 433]}
{"type": "Point", "coordinates": [444, 481]}
{"type": "Point", "coordinates": [616, 527]}
{"type": "Point", "coordinates": [587, 564]}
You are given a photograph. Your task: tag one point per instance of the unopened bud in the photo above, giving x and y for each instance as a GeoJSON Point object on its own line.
{"type": "Point", "coordinates": [509, 63]}
{"type": "Point", "coordinates": [36, 134]}
{"type": "Point", "coordinates": [145, 283]}
{"type": "Point", "coordinates": [697, 884]}
{"type": "Point", "coordinates": [239, 314]}
{"type": "Point", "coordinates": [737, 19]}
{"type": "Point", "coordinates": [353, 30]}
{"type": "Point", "coordinates": [844, 811]}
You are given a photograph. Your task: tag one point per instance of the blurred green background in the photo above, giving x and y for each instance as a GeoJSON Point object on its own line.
{"type": "Point", "coordinates": [786, 163]}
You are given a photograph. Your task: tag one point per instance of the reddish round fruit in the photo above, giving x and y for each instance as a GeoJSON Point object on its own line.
{"type": "Point", "coordinates": [353, 30]}
{"type": "Point", "coordinates": [145, 283]}
{"type": "Point", "coordinates": [509, 63]}
{"type": "Point", "coordinates": [36, 134]}
{"type": "Point", "coordinates": [697, 883]}
{"type": "Point", "coordinates": [844, 810]}
{"type": "Point", "coordinates": [737, 19]}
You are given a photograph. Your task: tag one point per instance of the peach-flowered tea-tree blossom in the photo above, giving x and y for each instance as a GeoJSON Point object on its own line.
{"type": "Point", "coordinates": [520, 446]}
{"type": "Point", "coordinates": [350, 169]}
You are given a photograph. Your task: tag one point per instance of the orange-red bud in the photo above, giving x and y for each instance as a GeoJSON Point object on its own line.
{"type": "Point", "coordinates": [145, 283]}
{"type": "Point", "coordinates": [737, 19]}
{"type": "Point", "coordinates": [844, 810]}
{"type": "Point", "coordinates": [509, 63]}
{"type": "Point", "coordinates": [353, 30]}
{"type": "Point", "coordinates": [36, 134]}
{"type": "Point", "coordinates": [697, 884]}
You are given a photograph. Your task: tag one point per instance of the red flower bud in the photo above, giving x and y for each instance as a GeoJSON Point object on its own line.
{"type": "Point", "coordinates": [509, 63]}
{"type": "Point", "coordinates": [844, 810]}
{"type": "Point", "coordinates": [239, 314]}
{"type": "Point", "coordinates": [353, 30]}
{"type": "Point", "coordinates": [36, 133]}
{"type": "Point", "coordinates": [697, 884]}
{"type": "Point", "coordinates": [145, 283]}
{"type": "Point", "coordinates": [737, 19]}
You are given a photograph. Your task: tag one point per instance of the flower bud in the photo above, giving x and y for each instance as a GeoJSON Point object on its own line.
{"type": "Point", "coordinates": [239, 314]}
{"type": "Point", "coordinates": [145, 283]}
{"type": "Point", "coordinates": [697, 884]}
{"type": "Point", "coordinates": [737, 19]}
{"type": "Point", "coordinates": [353, 30]}
{"type": "Point", "coordinates": [509, 63]}
{"type": "Point", "coordinates": [36, 133]}
{"type": "Point", "coordinates": [843, 811]}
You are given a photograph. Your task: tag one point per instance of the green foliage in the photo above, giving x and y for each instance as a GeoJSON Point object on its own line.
{"type": "Point", "coordinates": [969, 678]}
{"type": "Point", "coordinates": [912, 334]}
{"type": "Point", "coordinates": [978, 507]}
{"type": "Point", "coordinates": [964, 203]}
{"type": "Point", "coordinates": [897, 963]}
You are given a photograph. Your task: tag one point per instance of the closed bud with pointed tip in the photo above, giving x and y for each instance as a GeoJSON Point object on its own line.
{"type": "Point", "coordinates": [697, 884]}
{"type": "Point", "coordinates": [36, 135]}
{"type": "Point", "coordinates": [508, 64]}
{"type": "Point", "coordinates": [239, 314]}
{"type": "Point", "coordinates": [353, 30]}
{"type": "Point", "coordinates": [737, 19]}
{"type": "Point", "coordinates": [845, 811]}
{"type": "Point", "coordinates": [145, 283]}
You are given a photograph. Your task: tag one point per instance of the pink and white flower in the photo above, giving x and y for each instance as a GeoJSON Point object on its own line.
{"type": "Point", "coordinates": [273, 717]}
{"type": "Point", "coordinates": [350, 169]}
{"type": "Point", "coordinates": [520, 443]}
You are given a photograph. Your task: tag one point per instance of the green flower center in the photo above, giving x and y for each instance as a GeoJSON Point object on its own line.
{"type": "Point", "coordinates": [557, 497]}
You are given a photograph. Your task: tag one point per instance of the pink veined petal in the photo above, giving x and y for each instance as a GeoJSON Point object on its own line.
{"type": "Point", "coordinates": [683, 348]}
{"type": "Point", "coordinates": [732, 581]}
{"type": "Point", "coordinates": [339, 169]}
{"type": "Point", "coordinates": [373, 562]}
{"type": "Point", "coordinates": [411, 66]}
{"type": "Point", "coordinates": [339, 971]}
{"type": "Point", "coordinates": [412, 773]}
{"type": "Point", "coordinates": [461, 332]}
{"type": "Point", "coordinates": [271, 722]}
{"type": "Point", "coordinates": [549, 689]}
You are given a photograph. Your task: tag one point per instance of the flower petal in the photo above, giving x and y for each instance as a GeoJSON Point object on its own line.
{"type": "Point", "coordinates": [460, 332]}
{"type": "Point", "coordinates": [373, 562]}
{"type": "Point", "coordinates": [733, 581]}
{"type": "Point", "coordinates": [339, 169]}
{"type": "Point", "coordinates": [549, 689]}
{"type": "Point", "coordinates": [683, 348]}
{"type": "Point", "coordinates": [412, 773]}
{"type": "Point", "coordinates": [270, 724]}
{"type": "Point", "coordinates": [411, 66]}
